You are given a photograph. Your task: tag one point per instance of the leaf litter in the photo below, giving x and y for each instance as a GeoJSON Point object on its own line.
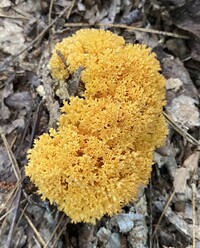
{"type": "Point", "coordinates": [166, 214]}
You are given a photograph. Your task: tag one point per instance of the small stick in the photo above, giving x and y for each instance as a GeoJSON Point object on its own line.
{"type": "Point", "coordinates": [182, 132]}
{"type": "Point", "coordinates": [164, 210]}
{"type": "Point", "coordinates": [12, 227]}
{"type": "Point", "coordinates": [37, 234]}
{"type": "Point", "coordinates": [62, 58]}
{"type": "Point", "coordinates": [44, 31]}
{"type": "Point", "coordinates": [60, 233]}
{"type": "Point", "coordinates": [36, 121]}
{"type": "Point", "coordinates": [193, 215]}
{"type": "Point", "coordinates": [11, 156]}
{"type": "Point", "coordinates": [13, 17]}
{"type": "Point", "coordinates": [54, 231]}
{"type": "Point", "coordinates": [116, 25]}
{"type": "Point", "coordinates": [50, 11]}
{"type": "Point", "coordinates": [13, 192]}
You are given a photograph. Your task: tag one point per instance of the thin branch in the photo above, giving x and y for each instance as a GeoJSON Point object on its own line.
{"type": "Point", "coordinates": [45, 30]}
{"type": "Point", "coordinates": [37, 234]}
{"type": "Point", "coordinates": [54, 231]}
{"type": "Point", "coordinates": [193, 215]}
{"type": "Point", "coordinates": [11, 156]}
{"type": "Point", "coordinates": [12, 227]}
{"type": "Point", "coordinates": [145, 30]}
{"type": "Point", "coordinates": [60, 233]}
{"type": "Point", "coordinates": [50, 11]}
{"type": "Point", "coordinates": [164, 210]}
{"type": "Point", "coordinates": [13, 17]}
{"type": "Point", "coordinates": [13, 192]}
{"type": "Point", "coordinates": [182, 132]}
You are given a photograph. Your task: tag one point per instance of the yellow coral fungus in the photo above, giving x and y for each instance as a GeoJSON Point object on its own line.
{"type": "Point", "coordinates": [102, 150]}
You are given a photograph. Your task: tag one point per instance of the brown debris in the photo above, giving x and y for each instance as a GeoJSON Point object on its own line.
{"type": "Point", "coordinates": [30, 105]}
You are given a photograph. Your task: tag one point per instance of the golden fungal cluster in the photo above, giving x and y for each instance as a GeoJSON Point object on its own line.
{"type": "Point", "coordinates": [102, 150]}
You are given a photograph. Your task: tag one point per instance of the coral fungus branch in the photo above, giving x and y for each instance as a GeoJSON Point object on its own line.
{"type": "Point", "coordinates": [102, 150]}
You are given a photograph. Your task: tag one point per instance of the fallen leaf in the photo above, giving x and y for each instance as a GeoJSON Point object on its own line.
{"type": "Point", "coordinates": [185, 172]}
{"type": "Point", "coordinates": [12, 38]}
{"type": "Point", "coordinates": [5, 3]}
{"type": "Point", "coordinates": [184, 112]}
{"type": "Point", "coordinates": [19, 100]}
{"type": "Point", "coordinates": [173, 84]}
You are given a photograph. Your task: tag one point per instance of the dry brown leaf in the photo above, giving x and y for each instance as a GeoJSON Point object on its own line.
{"type": "Point", "coordinates": [12, 37]}
{"type": "Point", "coordinates": [173, 84]}
{"type": "Point", "coordinates": [19, 100]}
{"type": "Point", "coordinates": [5, 3]}
{"type": "Point", "coordinates": [184, 173]}
{"type": "Point", "coordinates": [184, 112]}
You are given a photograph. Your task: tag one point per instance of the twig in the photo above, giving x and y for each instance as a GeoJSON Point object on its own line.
{"type": "Point", "coordinates": [23, 13]}
{"type": "Point", "coordinates": [60, 233]}
{"type": "Point", "coordinates": [16, 245]}
{"type": "Point", "coordinates": [36, 242]}
{"type": "Point", "coordinates": [12, 227]}
{"type": "Point", "coordinates": [13, 192]}
{"type": "Point", "coordinates": [164, 210]}
{"type": "Point", "coordinates": [193, 215]}
{"type": "Point", "coordinates": [44, 31]}
{"type": "Point", "coordinates": [62, 58]}
{"type": "Point", "coordinates": [182, 132]}
{"type": "Point", "coordinates": [128, 27]}
{"type": "Point", "coordinates": [13, 17]}
{"type": "Point", "coordinates": [50, 11]}
{"type": "Point", "coordinates": [11, 156]}
{"type": "Point", "coordinates": [22, 213]}
{"type": "Point", "coordinates": [54, 231]}
{"type": "Point", "coordinates": [37, 234]}
{"type": "Point", "coordinates": [7, 205]}
{"type": "Point", "coordinates": [3, 216]}
{"type": "Point", "coordinates": [36, 121]}
{"type": "Point", "coordinates": [71, 7]}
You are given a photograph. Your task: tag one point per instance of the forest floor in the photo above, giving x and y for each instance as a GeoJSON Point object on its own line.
{"type": "Point", "coordinates": [167, 211]}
